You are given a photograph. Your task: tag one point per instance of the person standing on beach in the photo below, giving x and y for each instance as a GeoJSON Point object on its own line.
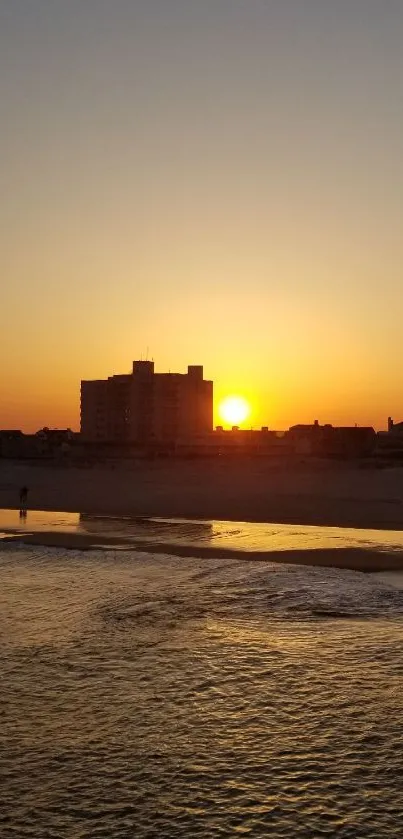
{"type": "Point", "coordinates": [23, 497]}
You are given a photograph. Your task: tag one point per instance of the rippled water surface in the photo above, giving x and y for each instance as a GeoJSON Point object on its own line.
{"type": "Point", "coordinates": [151, 696]}
{"type": "Point", "coordinates": [241, 536]}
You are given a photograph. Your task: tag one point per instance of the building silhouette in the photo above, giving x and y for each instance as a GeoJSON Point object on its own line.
{"type": "Point", "coordinates": [395, 429]}
{"type": "Point", "coordinates": [143, 406]}
{"type": "Point", "coordinates": [332, 441]}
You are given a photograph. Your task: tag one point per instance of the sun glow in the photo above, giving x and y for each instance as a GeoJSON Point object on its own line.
{"type": "Point", "coordinates": [234, 410]}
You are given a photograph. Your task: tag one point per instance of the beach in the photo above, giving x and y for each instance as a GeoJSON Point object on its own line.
{"type": "Point", "coordinates": [316, 494]}
{"type": "Point", "coordinates": [261, 490]}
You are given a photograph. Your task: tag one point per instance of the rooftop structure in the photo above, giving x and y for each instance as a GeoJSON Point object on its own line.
{"type": "Point", "coordinates": [395, 428]}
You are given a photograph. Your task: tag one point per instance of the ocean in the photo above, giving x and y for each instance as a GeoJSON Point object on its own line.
{"type": "Point", "coordinates": [152, 696]}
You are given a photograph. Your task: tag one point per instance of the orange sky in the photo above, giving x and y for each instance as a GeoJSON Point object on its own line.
{"type": "Point", "coordinates": [219, 185]}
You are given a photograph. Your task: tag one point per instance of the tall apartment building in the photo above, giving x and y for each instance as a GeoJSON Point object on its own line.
{"type": "Point", "coordinates": [144, 406]}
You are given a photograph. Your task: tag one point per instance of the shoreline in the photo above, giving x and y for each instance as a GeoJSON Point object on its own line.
{"type": "Point", "coordinates": [353, 558]}
{"type": "Point", "coordinates": [308, 520]}
{"type": "Point", "coordinates": [316, 494]}
{"type": "Point", "coordinates": [364, 561]}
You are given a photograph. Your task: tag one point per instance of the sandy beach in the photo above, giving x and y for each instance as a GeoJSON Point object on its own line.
{"type": "Point", "coordinates": [320, 494]}
{"type": "Point", "coordinates": [317, 493]}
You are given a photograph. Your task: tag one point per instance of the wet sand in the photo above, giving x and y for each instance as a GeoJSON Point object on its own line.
{"type": "Point", "coordinates": [354, 559]}
{"type": "Point", "coordinates": [348, 548]}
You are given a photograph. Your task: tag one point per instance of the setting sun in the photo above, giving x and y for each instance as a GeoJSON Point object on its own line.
{"type": "Point", "coordinates": [234, 410]}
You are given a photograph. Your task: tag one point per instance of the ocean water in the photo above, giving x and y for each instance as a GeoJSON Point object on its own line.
{"type": "Point", "coordinates": [151, 696]}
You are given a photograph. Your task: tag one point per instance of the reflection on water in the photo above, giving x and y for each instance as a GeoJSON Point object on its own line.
{"type": "Point", "coordinates": [154, 530]}
{"type": "Point", "coordinates": [39, 520]}
{"type": "Point", "coordinates": [241, 536]}
{"type": "Point", "coordinates": [150, 696]}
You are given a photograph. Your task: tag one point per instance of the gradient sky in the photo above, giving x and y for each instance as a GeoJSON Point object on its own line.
{"type": "Point", "coordinates": [216, 182]}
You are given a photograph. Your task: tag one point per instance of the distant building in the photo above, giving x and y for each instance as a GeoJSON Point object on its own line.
{"type": "Point", "coordinates": [46, 443]}
{"type": "Point", "coordinates": [11, 434]}
{"type": "Point", "coordinates": [143, 407]}
{"type": "Point", "coordinates": [395, 429]}
{"type": "Point", "coordinates": [245, 441]}
{"type": "Point", "coordinates": [391, 440]}
{"type": "Point", "coordinates": [332, 441]}
{"type": "Point", "coordinates": [56, 435]}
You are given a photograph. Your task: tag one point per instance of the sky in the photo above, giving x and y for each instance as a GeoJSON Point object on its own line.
{"type": "Point", "coordinates": [215, 182]}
